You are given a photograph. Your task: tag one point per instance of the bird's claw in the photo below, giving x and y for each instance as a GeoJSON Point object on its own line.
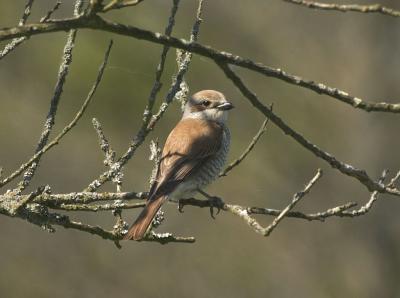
{"type": "Point", "coordinates": [180, 206]}
{"type": "Point", "coordinates": [215, 202]}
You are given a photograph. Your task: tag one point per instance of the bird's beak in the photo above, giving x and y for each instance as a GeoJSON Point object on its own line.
{"type": "Point", "coordinates": [225, 106]}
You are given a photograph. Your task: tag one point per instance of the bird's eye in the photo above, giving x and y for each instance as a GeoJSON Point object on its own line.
{"type": "Point", "coordinates": [205, 103]}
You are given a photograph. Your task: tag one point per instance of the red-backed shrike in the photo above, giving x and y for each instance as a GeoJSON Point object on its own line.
{"type": "Point", "coordinates": [193, 155]}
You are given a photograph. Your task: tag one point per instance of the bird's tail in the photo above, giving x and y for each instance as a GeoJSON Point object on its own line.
{"type": "Point", "coordinates": [142, 223]}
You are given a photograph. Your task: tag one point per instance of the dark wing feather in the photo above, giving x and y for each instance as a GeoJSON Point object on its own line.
{"type": "Point", "coordinates": [190, 144]}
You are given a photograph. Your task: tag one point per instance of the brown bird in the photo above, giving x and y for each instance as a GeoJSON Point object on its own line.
{"type": "Point", "coordinates": [193, 155]}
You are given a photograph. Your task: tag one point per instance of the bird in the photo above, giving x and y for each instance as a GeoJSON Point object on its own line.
{"type": "Point", "coordinates": [192, 157]}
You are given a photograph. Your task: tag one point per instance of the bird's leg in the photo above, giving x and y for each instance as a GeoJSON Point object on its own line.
{"type": "Point", "coordinates": [214, 202]}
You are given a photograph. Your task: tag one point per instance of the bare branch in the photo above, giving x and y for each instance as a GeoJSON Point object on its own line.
{"type": "Point", "coordinates": [86, 197]}
{"type": "Point", "coordinates": [21, 202]}
{"type": "Point", "coordinates": [392, 183]}
{"type": "Point", "coordinates": [367, 207]}
{"type": "Point", "coordinates": [66, 129]}
{"type": "Point", "coordinates": [372, 8]}
{"type": "Point", "coordinates": [344, 168]}
{"type": "Point", "coordinates": [50, 12]}
{"type": "Point", "coordinates": [296, 198]}
{"type": "Point", "coordinates": [246, 152]}
{"type": "Point", "coordinates": [118, 4]}
{"type": "Point", "coordinates": [98, 207]}
{"type": "Point", "coordinates": [321, 216]}
{"type": "Point", "coordinates": [46, 220]}
{"type": "Point", "coordinates": [109, 153]}
{"type": "Point", "coordinates": [243, 213]}
{"type": "Point", "coordinates": [27, 13]}
{"type": "Point", "coordinates": [147, 114]}
{"type": "Point", "coordinates": [17, 41]}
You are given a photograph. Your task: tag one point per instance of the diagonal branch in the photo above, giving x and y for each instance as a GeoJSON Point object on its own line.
{"type": "Point", "coordinates": [344, 168]}
{"type": "Point", "coordinates": [372, 8]}
{"type": "Point", "coordinates": [117, 4]}
{"type": "Point", "coordinates": [296, 198]}
{"type": "Point", "coordinates": [249, 148]}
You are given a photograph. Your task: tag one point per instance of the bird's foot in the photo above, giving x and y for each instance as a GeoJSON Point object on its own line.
{"type": "Point", "coordinates": [211, 202]}
{"type": "Point", "coordinates": [215, 202]}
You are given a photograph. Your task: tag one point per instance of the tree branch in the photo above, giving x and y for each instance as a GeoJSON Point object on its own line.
{"type": "Point", "coordinates": [18, 41]}
{"type": "Point", "coordinates": [247, 151]}
{"type": "Point", "coordinates": [344, 168]}
{"type": "Point", "coordinates": [372, 8]}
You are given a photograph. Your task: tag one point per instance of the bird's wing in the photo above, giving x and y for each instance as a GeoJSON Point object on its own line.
{"type": "Point", "coordinates": [191, 143]}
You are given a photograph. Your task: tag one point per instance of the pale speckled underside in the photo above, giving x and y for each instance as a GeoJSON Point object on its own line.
{"type": "Point", "coordinates": [208, 172]}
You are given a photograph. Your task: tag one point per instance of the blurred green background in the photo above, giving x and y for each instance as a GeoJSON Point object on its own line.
{"type": "Point", "coordinates": [357, 53]}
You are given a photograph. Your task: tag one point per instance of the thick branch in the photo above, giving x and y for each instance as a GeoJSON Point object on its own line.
{"type": "Point", "coordinates": [344, 168]}
{"type": "Point", "coordinates": [46, 220]}
{"type": "Point", "coordinates": [87, 197]}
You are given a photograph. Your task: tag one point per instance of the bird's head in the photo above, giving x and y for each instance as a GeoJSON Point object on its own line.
{"type": "Point", "coordinates": [208, 105]}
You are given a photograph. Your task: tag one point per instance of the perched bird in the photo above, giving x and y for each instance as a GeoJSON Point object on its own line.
{"type": "Point", "coordinates": [193, 155]}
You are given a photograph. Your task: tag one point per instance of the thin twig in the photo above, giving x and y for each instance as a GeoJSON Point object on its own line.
{"type": "Point", "coordinates": [246, 152]}
{"type": "Point", "coordinates": [50, 12]}
{"type": "Point", "coordinates": [320, 216]}
{"type": "Point", "coordinates": [27, 13]}
{"type": "Point", "coordinates": [109, 153]}
{"type": "Point", "coordinates": [148, 110]}
{"type": "Point", "coordinates": [392, 183]}
{"type": "Point", "coordinates": [367, 207]}
{"type": "Point", "coordinates": [117, 4]}
{"type": "Point", "coordinates": [66, 129]}
{"type": "Point", "coordinates": [372, 8]}
{"type": "Point", "coordinates": [296, 198]}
